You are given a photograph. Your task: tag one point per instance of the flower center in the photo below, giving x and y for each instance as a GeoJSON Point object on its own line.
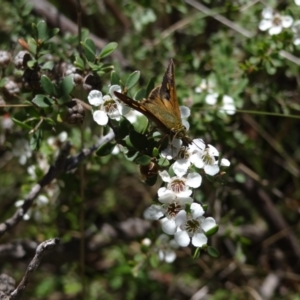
{"type": "Point", "coordinates": [110, 106]}
{"type": "Point", "coordinates": [183, 154]}
{"type": "Point", "coordinates": [177, 186]}
{"type": "Point", "coordinates": [192, 226]}
{"type": "Point", "coordinates": [208, 159]}
{"type": "Point", "coordinates": [277, 20]}
{"type": "Point", "coordinates": [173, 209]}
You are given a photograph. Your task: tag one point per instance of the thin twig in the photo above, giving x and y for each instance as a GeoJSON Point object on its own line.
{"type": "Point", "coordinates": [43, 249]}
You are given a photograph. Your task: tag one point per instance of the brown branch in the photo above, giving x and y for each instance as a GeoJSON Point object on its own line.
{"type": "Point", "coordinates": [42, 250]}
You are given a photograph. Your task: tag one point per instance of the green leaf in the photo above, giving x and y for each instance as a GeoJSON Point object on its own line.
{"type": "Point", "coordinates": [114, 78]}
{"type": "Point", "coordinates": [132, 79]}
{"type": "Point", "coordinates": [21, 124]}
{"type": "Point", "coordinates": [108, 49]}
{"type": "Point", "coordinates": [138, 140]}
{"type": "Point", "coordinates": [42, 101]}
{"type": "Point", "coordinates": [213, 252]}
{"type": "Point", "coordinates": [42, 31]}
{"type": "Point", "coordinates": [143, 160]}
{"type": "Point", "coordinates": [150, 86]}
{"type": "Point", "coordinates": [36, 139]}
{"type": "Point", "coordinates": [32, 46]}
{"type": "Point", "coordinates": [48, 85]}
{"type": "Point", "coordinates": [141, 94]}
{"type": "Point", "coordinates": [155, 152]}
{"type": "Point", "coordinates": [66, 86]}
{"type": "Point", "coordinates": [27, 8]}
{"type": "Point", "coordinates": [105, 149]}
{"type": "Point", "coordinates": [79, 63]}
{"type": "Point", "coordinates": [48, 65]}
{"type": "Point", "coordinates": [197, 253]}
{"type": "Point", "coordinates": [89, 49]}
{"type": "Point", "coordinates": [212, 231]}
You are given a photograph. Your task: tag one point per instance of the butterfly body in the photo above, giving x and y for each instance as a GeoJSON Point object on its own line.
{"type": "Point", "coordinates": [161, 107]}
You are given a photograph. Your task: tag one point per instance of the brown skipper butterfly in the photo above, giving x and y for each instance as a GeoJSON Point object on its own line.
{"type": "Point", "coordinates": [162, 107]}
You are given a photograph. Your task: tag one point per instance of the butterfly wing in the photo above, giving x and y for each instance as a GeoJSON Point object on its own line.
{"type": "Point", "coordinates": [139, 106]}
{"type": "Point", "coordinates": [163, 102]}
{"type": "Point", "coordinates": [161, 106]}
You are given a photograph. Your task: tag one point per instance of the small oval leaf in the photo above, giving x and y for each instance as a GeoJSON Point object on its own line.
{"type": "Point", "coordinates": [132, 79]}
{"type": "Point", "coordinates": [108, 49]}
{"type": "Point", "coordinates": [213, 252]}
{"type": "Point", "coordinates": [66, 85]}
{"type": "Point", "coordinates": [47, 85]}
{"type": "Point", "coordinates": [105, 149]}
{"type": "Point", "coordinates": [42, 101]}
{"type": "Point", "coordinates": [143, 160]}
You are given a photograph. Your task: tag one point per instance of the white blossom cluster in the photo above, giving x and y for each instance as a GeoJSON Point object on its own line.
{"type": "Point", "coordinates": [274, 23]}
{"type": "Point", "coordinates": [179, 214]}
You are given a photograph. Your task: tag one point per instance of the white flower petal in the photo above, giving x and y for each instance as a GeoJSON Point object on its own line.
{"type": "Point", "coordinates": [165, 176]}
{"type": "Point", "coordinates": [225, 162]}
{"type": "Point", "coordinates": [267, 13]}
{"type": "Point", "coordinates": [185, 112]}
{"type": "Point", "coordinates": [198, 144]}
{"type": "Point", "coordinates": [287, 21]}
{"type": "Point", "coordinates": [182, 238]}
{"type": "Point", "coordinates": [197, 210]}
{"type": "Point", "coordinates": [168, 226]}
{"type": "Point", "coordinates": [212, 151]}
{"type": "Point", "coordinates": [211, 99]}
{"type": "Point", "coordinates": [211, 170]}
{"type": "Point", "coordinates": [199, 239]}
{"type": "Point", "coordinates": [275, 30]}
{"type": "Point", "coordinates": [154, 212]}
{"type": "Point", "coordinates": [297, 2]}
{"type": "Point", "coordinates": [114, 88]}
{"type": "Point", "coordinates": [265, 25]}
{"type": "Point", "coordinates": [197, 160]}
{"type": "Point", "coordinates": [181, 166]}
{"type": "Point", "coordinates": [100, 117]}
{"type": "Point", "coordinates": [167, 197]}
{"type": "Point", "coordinates": [184, 200]}
{"type": "Point", "coordinates": [95, 98]}
{"type": "Point", "coordinates": [181, 218]}
{"type": "Point", "coordinates": [208, 224]}
{"type": "Point", "coordinates": [194, 180]}
{"type": "Point", "coordinates": [170, 256]}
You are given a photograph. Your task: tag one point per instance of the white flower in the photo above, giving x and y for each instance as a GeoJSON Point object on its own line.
{"type": "Point", "coordinates": [199, 155]}
{"type": "Point", "coordinates": [22, 150]}
{"type": "Point", "coordinates": [185, 113]}
{"type": "Point", "coordinates": [154, 212]}
{"type": "Point", "coordinates": [179, 186]}
{"type": "Point", "coordinates": [192, 226]}
{"type": "Point", "coordinates": [109, 105]}
{"type": "Point", "coordinates": [296, 31]}
{"type": "Point", "coordinates": [274, 22]}
{"type": "Point", "coordinates": [165, 248]}
{"type": "Point", "coordinates": [187, 156]}
{"type": "Point", "coordinates": [207, 160]}
{"type": "Point", "coordinates": [41, 200]}
{"type": "Point", "coordinates": [297, 2]}
{"type": "Point", "coordinates": [206, 86]}
{"type": "Point", "coordinates": [227, 104]}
